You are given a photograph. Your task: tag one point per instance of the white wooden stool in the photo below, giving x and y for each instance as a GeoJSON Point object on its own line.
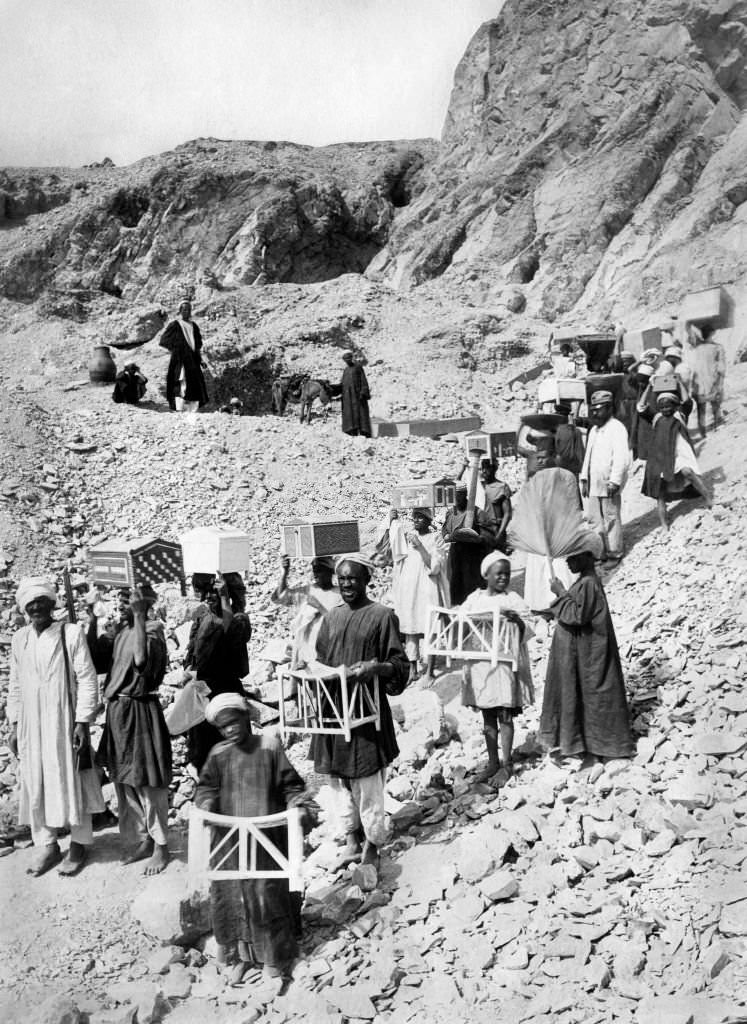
{"type": "Point", "coordinates": [329, 704]}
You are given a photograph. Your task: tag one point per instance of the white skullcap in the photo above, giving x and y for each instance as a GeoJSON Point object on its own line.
{"type": "Point", "coordinates": [358, 558]}
{"type": "Point", "coordinates": [222, 702]}
{"type": "Point", "coordinates": [32, 587]}
{"type": "Point", "coordinates": [491, 559]}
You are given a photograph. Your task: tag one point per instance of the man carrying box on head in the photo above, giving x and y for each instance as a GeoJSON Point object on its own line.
{"type": "Point", "coordinates": [364, 637]}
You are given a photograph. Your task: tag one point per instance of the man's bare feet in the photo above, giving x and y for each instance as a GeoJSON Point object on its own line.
{"type": "Point", "coordinates": [485, 774]}
{"type": "Point", "coordinates": [158, 861]}
{"type": "Point", "coordinates": [370, 854]}
{"type": "Point", "coordinates": [76, 857]}
{"type": "Point", "coordinates": [45, 859]}
{"type": "Point", "coordinates": [145, 849]}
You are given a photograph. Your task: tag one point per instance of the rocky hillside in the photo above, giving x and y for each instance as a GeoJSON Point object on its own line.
{"type": "Point", "coordinates": [591, 169]}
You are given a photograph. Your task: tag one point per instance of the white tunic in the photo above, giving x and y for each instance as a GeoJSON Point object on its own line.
{"type": "Point", "coordinates": [46, 707]}
{"type": "Point", "coordinates": [415, 587]}
{"type": "Point", "coordinates": [607, 458]}
{"type": "Point", "coordinates": [485, 686]}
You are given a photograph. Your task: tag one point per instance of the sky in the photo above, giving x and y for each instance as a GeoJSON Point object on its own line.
{"type": "Point", "coordinates": [81, 80]}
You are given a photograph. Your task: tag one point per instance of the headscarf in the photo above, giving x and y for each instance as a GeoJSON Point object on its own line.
{"type": "Point", "coordinates": [425, 512]}
{"type": "Point", "coordinates": [347, 352]}
{"type": "Point", "coordinates": [673, 352]}
{"type": "Point", "coordinates": [32, 587]}
{"type": "Point", "coordinates": [601, 398]}
{"type": "Point", "coordinates": [358, 559]}
{"type": "Point", "coordinates": [591, 543]}
{"type": "Point", "coordinates": [324, 560]}
{"type": "Point", "coordinates": [491, 559]}
{"type": "Point", "coordinates": [461, 485]}
{"type": "Point", "coordinates": [223, 702]}
{"type": "Point", "coordinates": [644, 370]}
{"type": "Point", "coordinates": [668, 396]}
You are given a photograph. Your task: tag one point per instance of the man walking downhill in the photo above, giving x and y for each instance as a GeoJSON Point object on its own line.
{"type": "Point", "coordinates": [604, 473]}
{"type": "Point", "coordinates": [363, 636]}
{"type": "Point", "coordinates": [52, 698]}
{"type": "Point", "coordinates": [136, 746]}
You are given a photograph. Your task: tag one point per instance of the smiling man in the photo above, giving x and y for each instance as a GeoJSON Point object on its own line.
{"type": "Point", "coordinates": [52, 697]}
{"type": "Point", "coordinates": [363, 636]}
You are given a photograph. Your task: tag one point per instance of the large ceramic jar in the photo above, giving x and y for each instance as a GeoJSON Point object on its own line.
{"type": "Point", "coordinates": [101, 367]}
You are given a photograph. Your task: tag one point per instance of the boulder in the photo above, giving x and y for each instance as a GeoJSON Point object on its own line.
{"type": "Point", "coordinates": [167, 912]}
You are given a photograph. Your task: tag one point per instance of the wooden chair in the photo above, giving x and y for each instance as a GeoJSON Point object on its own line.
{"type": "Point", "coordinates": [330, 704]}
{"type": "Point", "coordinates": [455, 634]}
{"type": "Point", "coordinates": [243, 838]}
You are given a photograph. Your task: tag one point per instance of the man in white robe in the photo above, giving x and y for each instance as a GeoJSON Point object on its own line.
{"type": "Point", "coordinates": [52, 698]}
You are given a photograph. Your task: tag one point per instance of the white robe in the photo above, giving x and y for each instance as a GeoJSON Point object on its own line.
{"type": "Point", "coordinates": [46, 710]}
{"type": "Point", "coordinates": [415, 587]}
{"type": "Point", "coordinates": [311, 604]}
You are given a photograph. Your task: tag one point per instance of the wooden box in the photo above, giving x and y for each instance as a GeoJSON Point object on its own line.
{"type": "Point", "coordinates": [213, 549]}
{"type": "Point", "coordinates": [494, 444]}
{"type": "Point", "coordinates": [662, 384]}
{"type": "Point", "coordinates": [643, 339]}
{"type": "Point", "coordinates": [561, 389]}
{"type": "Point", "coordinates": [428, 493]}
{"type": "Point", "coordinates": [312, 538]}
{"type": "Point", "coordinates": [708, 306]}
{"type": "Point", "coordinates": [423, 428]}
{"type": "Point", "coordinates": [131, 563]}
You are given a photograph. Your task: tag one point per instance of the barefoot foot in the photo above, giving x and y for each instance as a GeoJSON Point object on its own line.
{"type": "Point", "coordinates": [158, 861]}
{"type": "Point", "coordinates": [145, 849]}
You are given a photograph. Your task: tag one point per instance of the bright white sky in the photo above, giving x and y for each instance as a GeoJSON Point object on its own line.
{"type": "Point", "coordinates": [85, 79]}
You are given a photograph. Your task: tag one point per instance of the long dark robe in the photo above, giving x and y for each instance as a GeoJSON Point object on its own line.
{"type": "Point", "coordinates": [584, 708]}
{"type": "Point", "coordinates": [660, 479]}
{"type": "Point", "coordinates": [355, 395]}
{"type": "Point", "coordinates": [463, 563]}
{"type": "Point", "coordinates": [219, 657]}
{"type": "Point", "coordinates": [641, 432]}
{"type": "Point", "coordinates": [251, 780]}
{"type": "Point", "coordinates": [347, 636]}
{"type": "Point", "coordinates": [135, 746]}
{"type": "Point", "coordinates": [182, 355]}
{"type": "Point", "coordinates": [569, 448]}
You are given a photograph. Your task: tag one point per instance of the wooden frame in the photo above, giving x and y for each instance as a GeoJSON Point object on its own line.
{"type": "Point", "coordinates": [245, 836]}
{"type": "Point", "coordinates": [330, 705]}
{"type": "Point", "coordinates": [468, 636]}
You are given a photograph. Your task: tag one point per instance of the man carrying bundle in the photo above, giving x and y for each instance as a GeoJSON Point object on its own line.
{"type": "Point", "coordinates": [364, 637]}
{"type": "Point", "coordinates": [604, 473]}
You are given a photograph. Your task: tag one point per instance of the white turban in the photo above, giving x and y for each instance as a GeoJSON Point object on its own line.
{"type": "Point", "coordinates": [358, 558]}
{"type": "Point", "coordinates": [491, 559]}
{"type": "Point", "coordinates": [32, 587]}
{"type": "Point", "coordinates": [223, 702]}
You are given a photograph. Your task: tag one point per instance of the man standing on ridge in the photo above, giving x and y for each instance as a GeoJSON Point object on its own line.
{"type": "Point", "coordinates": [355, 395]}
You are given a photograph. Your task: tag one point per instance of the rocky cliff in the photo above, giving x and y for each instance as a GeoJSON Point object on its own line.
{"type": "Point", "coordinates": [594, 154]}
{"type": "Point", "coordinates": [592, 168]}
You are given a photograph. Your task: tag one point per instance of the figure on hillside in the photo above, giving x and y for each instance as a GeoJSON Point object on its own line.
{"type": "Point", "coordinates": [604, 473]}
{"type": "Point", "coordinates": [569, 441]}
{"type": "Point", "coordinates": [185, 383]}
{"type": "Point", "coordinates": [672, 470]}
{"type": "Point", "coordinates": [418, 579]}
{"type": "Point", "coordinates": [496, 505]}
{"type": "Point", "coordinates": [129, 385]}
{"type": "Point", "coordinates": [363, 636]}
{"type": "Point", "coordinates": [500, 691]}
{"type": "Point", "coordinates": [311, 601]}
{"type": "Point", "coordinates": [672, 364]}
{"type": "Point", "coordinates": [135, 746]}
{"type": "Point", "coordinates": [467, 547]}
{"type": "Point", "coordinates": [53, 696]}
{"type": "Point", "coordinates": [255, 921]}
{"type": "Point", "coordinates": [584, 707]}
{"type": "Point", "coordinates": [708, 362]}
{"type": "Point", "coordinates": [216, 650]}
{"type": "Point", "coordinates": [355, 395]}
{"type": "Point", "coordinates": [640, 430]}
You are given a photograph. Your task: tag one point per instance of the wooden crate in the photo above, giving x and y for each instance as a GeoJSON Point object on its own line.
{"type": "Point", "coordinates": [661, 384]}
{"type": "Point", "coordinates": [131, 563]}
{"type": "Point", "coordinates": [424, 428]}
{"type": "Point", "coordinates": [494, 444]}
{"type": "Point", "coordinates": [312, 538]}
{"type": "Point", "coordinates": [213, 549]}
{"type": "Point", "coordinates": [707, 306]}
{"type": "Point", "coordinates": [430, 493]}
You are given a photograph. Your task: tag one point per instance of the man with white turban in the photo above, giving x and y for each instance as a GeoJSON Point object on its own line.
{"type": "Point", "coordinates": [52, 698]}
{"type": "Point", "coordinates": [364, 637]}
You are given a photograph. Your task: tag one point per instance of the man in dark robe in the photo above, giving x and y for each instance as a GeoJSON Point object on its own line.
{"type": "Point", "coordinates": [135, 746]}
{"type": "Point", "coordinates": [255, 920]}
{"type": "Point", "coordinates": [364, 637]}
{"type": "Point", "coordinates": [497, 507]}
{"type": "Point", "coordinates": [185, 383]}
{"type": "Point", "coordinates": [355, 395]}
{"type": "Point", "coordinates": [584, 708]}
{"type": "Point", "coordinates": [465, 551]}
